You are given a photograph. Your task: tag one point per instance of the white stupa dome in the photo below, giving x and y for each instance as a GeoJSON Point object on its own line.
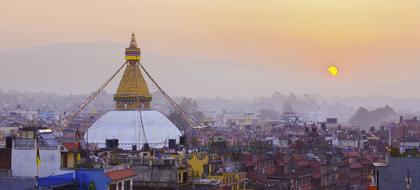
{"type": "Point", "coordinates": [127, 127]}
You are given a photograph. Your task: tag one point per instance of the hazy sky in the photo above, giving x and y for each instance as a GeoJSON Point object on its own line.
{"type": "Point", "coordinates": [371, 41]}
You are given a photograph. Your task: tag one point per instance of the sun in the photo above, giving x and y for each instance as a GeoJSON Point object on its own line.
{"type": "Point", "coordinates": [333, 70]}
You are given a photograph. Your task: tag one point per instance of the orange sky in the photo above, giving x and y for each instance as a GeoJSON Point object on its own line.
{"type": "Point", "coordinates": [367, 39]}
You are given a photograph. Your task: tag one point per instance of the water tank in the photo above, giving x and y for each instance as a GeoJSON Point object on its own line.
{"type": "Point", "coordinates": [172, 143]}
{"type": "Point", "coordinates": [182, 140]}
{"type": "Point", "coordinates": [323, 126]}
{"type": "Point", "coordinates": [9, 140]}
{"type": "Point", "coordinates": [146, 147]}
{"type": "Point", "coordinates": [111, 143]}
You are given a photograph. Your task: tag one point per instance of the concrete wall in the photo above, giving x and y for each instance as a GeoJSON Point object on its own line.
{"type": "Point", "coordinates": [393, 176]}
{"type": "Point", "coordinates": [24, 162]}
{"type": "Point", "coordinates": [166, 175]}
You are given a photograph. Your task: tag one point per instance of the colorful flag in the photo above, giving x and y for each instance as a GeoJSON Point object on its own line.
{"type": "Point", "coordinates": [77, 134]}
{"type": "Point", "coordinates": [38, 158]}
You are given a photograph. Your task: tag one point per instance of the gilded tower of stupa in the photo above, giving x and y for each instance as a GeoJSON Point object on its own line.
{"type": "Point", "coordinates": [132, 92]}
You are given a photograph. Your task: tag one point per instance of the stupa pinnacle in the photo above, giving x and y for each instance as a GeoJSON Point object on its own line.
{"type": "Point", "coordinates": [132, 92]}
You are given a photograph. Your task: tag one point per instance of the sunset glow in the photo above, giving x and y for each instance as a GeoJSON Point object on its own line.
{"type": "Point", "coordinates": [284, 37]}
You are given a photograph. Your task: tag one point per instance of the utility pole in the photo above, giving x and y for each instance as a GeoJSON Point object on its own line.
{"type": "Point", "coordinates": [408, 180]}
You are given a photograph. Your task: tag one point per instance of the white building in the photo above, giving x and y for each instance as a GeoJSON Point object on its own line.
{"type": "Point", "coordinates": [24, 155]}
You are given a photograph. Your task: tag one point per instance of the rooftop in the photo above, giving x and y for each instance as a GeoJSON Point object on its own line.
{"type": "Point", "coordinates": [121, 174]}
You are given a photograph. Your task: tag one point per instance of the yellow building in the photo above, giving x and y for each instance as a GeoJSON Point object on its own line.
{"type": "Point", "coordinates": [201, 167]}
{"type": "Point", "coordinates": [70, 154]}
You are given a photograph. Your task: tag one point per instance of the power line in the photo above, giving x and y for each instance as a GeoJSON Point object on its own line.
{"type": "Point", "coordinates": [73, 114]}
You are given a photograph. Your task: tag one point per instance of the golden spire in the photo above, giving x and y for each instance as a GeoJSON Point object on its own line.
{"type": "Point", "coordinates": [132, 92]}
{"type": "Point", "coordinates": [133, 42]}
{"type": "Point", "coordinates": [132, 53]}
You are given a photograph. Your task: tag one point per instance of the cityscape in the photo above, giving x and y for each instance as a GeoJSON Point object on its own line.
{"type": "Point", "coordinates": [119, 115]}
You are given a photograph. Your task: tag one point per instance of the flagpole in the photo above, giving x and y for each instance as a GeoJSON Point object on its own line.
{"type": "Point", "coordinates": [37, 160]}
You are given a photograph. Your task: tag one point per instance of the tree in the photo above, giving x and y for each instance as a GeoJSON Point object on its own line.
{"type": "Point", "coordinates": [188, 105]}
{"type": "Point", "coordinates": [365, 118]}
{"type": "Point", "coordinates": [394, 151]}
{"type": "Point", "coordinates": [268, 114]}
{"type": "Point", "coordinates": [92, 186]}
{"type": "Point", "coordinates": [277, 96]}
{"type": "Point", "coordinates": [287, 107]}
{"type": "Point", "coordinates": [198, 116]}
{"type": "Point", "coordinates": [360, 117]}
{"type": "Point", "coordinates": [178, 120]}
{"type": "Point", "coordinates": [194, 141]}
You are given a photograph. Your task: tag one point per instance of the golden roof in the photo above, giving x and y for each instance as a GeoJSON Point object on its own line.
{"type": "Point", "coordinates": [132, 84]}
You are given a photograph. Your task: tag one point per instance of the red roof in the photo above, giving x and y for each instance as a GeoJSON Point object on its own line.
{"type": "Point", "coordinates": [351, 154]}
{"type": "Point", "coordinates": [366, 161]}
{"type": "Point", "coordinates": [302, 164]}
{"type": "Point", "coordinates": [316, 166]}
{"type": "Point", "coordinates": [71, 146]}
{"type": "Point", "coordinates": [121, 174]}
{"type": "Point", "coordinates": [355, 165]}
{"type": "Point", "coordinates": [297, 157]}
{"type": "Point", "coordinates": [316, 175]}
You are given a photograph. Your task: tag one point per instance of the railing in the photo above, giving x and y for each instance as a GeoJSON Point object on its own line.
{"type": "Point", "coordinates": [45, 145]}
{"type": "Point", "coordinates": [24, 143]}
{"type": "Point", "coordinates": [162, 162]}
{"type": "Point", "coordinates": [116, 168]}
{"type": "Point", "coordinates": [29, 143]}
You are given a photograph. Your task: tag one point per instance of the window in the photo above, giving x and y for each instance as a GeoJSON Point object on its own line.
{"type": "Point", "coordinates": [166, 162]}
{"type": "Point", "coordinates": [113, 187]}
{"type": "Point", "coordinates": [127, 185]}
{"type": "Point", "coordinates": [64, 160]}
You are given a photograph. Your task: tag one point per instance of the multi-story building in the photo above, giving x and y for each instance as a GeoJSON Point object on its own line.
{"type": "Point", "coordinates": [247, 121]}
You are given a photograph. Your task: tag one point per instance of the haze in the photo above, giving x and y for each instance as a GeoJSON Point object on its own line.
{"type": "Point", "coordinates": [253, 47]}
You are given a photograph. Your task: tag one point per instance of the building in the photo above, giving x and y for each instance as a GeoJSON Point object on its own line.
{"type": "Point", "coordinates": [406, 129]}
{"type": "Point", "coordinates": [110, 178]}
{"type": "Point", "coordinates": [394, 176]}
{"type": "Point", "coordinates": [246, 121]}
{"type": "Point", "coordinates": [408, 146]}
{"type": "Point", "coordinates": [24, 151]}
{"type": "Point", "coordinates": [331, 123]}
{"type": "Point", "coordinates": [6, 131]}
{"type": "Point", "coordinates": [135, 135]}
{"type": "Point", "coordinates": [133, 122]}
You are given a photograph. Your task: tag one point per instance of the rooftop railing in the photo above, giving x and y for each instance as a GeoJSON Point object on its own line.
{"type": "Point", "coordinates": [24, 143]}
